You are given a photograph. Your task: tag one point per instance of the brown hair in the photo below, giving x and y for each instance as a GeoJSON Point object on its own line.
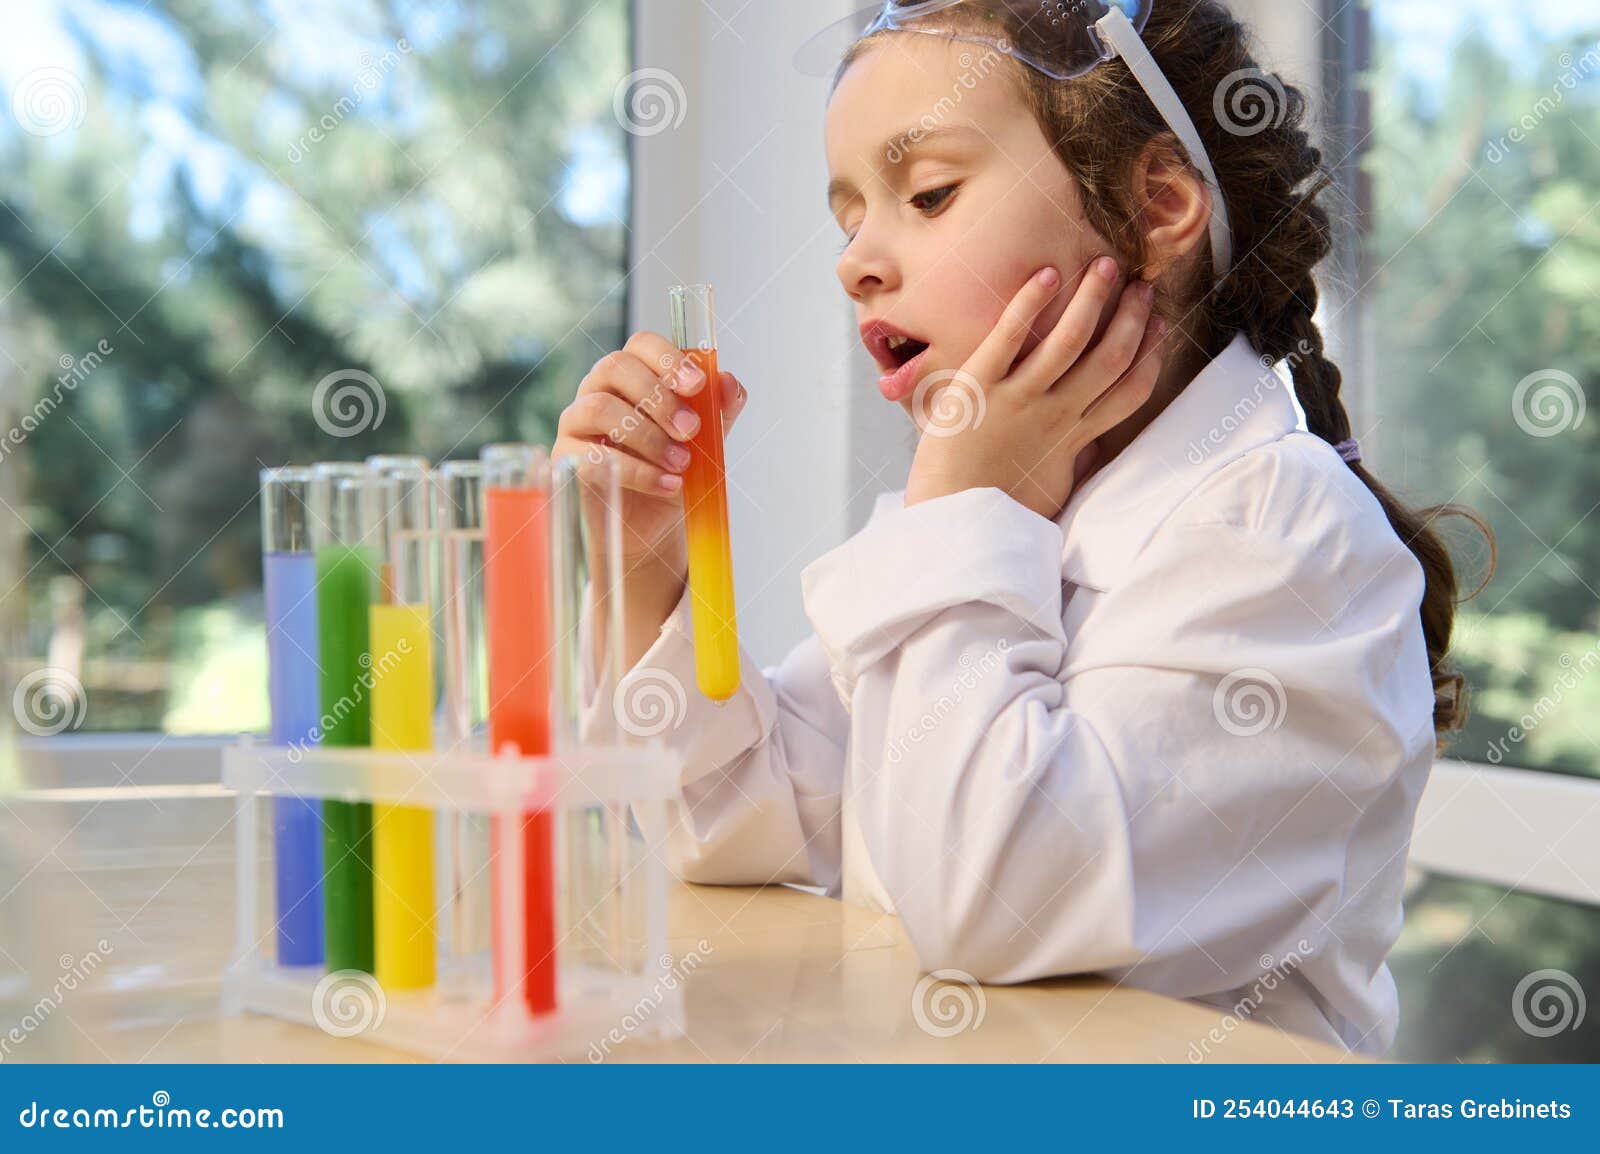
{"type": "Point", "coordinates": [1272, 178]}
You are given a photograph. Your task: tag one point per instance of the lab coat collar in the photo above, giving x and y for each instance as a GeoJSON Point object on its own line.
{"type": "Point", "coordinates": [1236, 403]}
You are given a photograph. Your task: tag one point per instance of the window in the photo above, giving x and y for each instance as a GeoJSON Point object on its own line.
{"type": "Point", "coordinates": [1480, 275]}
{"type": "Point", "coordinates": [237, 235]}
{"type": "Point", "coordinates": [1488, 974]}
{"type": "Point", "coordinates": [1482, 278]}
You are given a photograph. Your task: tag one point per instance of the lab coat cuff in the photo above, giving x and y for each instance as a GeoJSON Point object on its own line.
{"type": "Point", "coordinates": [910, 563]}
{"type": "Point", "coordinates": [659, 700]}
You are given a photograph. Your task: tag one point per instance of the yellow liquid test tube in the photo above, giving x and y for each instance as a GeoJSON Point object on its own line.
{"type": "Point", "coordinates": [705, 502]}
{"type": "Point", "coordinates": [402, 841]}
{"type": "Point", "coordinates": [403, 702]}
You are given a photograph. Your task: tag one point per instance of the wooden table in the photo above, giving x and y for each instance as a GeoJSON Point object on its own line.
{"type": "Point", "coordinates": [780, 975]}
{"type": "Point", "coordinates": [790, 977]}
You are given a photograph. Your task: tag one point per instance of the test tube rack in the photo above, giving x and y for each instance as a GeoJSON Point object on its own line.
{"type": "Point", "coordinates": [594, 1003]}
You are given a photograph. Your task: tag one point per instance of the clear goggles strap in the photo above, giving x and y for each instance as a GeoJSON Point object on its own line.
{"type": "Point", "coordinates": [1122, 38]}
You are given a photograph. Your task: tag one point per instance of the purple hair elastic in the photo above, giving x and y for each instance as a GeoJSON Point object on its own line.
{"type": "Point", "coordinates": [1349, 450]}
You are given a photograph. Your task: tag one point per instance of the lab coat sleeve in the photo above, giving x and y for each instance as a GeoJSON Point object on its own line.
{"type": "Point", "coordinates": [1036, 806]}
{"type": "Point", "coordinates": [758, 794]}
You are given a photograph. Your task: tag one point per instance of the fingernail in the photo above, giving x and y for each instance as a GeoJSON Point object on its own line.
{"type": "Point", "coordinates": [671, 482]}
{"type": "Point", "coordinates": [1106, 267]}
{"type": "Point", "coordinates": [1161, 327]}
{"type": "Point", "coordinates": [1049, 278]}
{"type": "Point", "coordinates": [686, 422]}
{"type": "Point", "coordinates": [678, 456]}
{"type": "Point", "coordinates": [1147, 291]}
{"type": "Point", "coordinates": [689, 375]}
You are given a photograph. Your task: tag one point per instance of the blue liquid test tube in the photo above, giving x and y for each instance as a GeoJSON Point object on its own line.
{"type": "Point", "coordinates": [289, 572]}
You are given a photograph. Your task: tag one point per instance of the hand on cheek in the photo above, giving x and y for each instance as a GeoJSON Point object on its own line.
{"type": "Point", "coordinates": [1019, 422]}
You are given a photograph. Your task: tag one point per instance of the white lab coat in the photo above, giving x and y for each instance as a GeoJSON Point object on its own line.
{"type": "Point", "coordinates": [1175, 736]}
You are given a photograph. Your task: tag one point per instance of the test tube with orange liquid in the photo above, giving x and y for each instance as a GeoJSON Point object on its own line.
{"type": "Point", "coordinates": [705, 502]}
{"type": "Point", "coordinates": [517, 595]}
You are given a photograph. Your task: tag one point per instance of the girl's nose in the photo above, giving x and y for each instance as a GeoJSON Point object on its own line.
{"type": "Point", "coordinates": [863, 269]}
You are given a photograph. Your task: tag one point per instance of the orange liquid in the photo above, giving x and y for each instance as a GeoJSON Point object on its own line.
{"type": "Point", "coordinates": [705, 502]}
{"type": "Point", "coordinates": [517, 587]}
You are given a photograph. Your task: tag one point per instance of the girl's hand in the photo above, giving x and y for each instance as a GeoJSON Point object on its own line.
{"type": "Point", "coordinates": [633, 406]}
{"type": "Point", "coordinates": [1024, 429]}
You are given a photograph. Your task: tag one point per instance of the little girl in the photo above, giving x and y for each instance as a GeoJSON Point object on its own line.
{"type": "Point", "coordinates": [1141, 674]}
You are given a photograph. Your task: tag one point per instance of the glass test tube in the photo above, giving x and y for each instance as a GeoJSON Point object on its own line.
{"type": "Point", "coordinates": [517, 577]}
{"type": "Point", "coordinates": [345, 540]}
{"type": "Point", "coordinates": [602, 894]}
{"type": "Point", "coordinates": [382, 465]}
{"type": "Point", "coordinates": [294, 691]}
{"type": "Point", "coordinates": [705, 502]}
{"type": "Point", "coordinates": [463, 711]}
{"type": "Point", "coordinates": [403, 702]}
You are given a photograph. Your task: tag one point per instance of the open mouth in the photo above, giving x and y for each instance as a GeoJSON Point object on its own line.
{"type": "Point", "coordinates": [902, 350]}
{"type": "Point", "coordinates": [899, 355]}
{"type": "Point", "coordinates": [891, 347]}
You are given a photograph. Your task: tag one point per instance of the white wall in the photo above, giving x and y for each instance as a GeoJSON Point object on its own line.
{"type": "Point", "coordinates": [735, 195]}
{"type": "Point", "coordinates": [1288, 38]}
{"type": "Point", "coordinates": [1291, 40]}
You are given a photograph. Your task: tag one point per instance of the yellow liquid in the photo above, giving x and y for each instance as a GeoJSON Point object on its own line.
{"type": "Point", "coordinates": [716, 638]}
{"type": "Point", "coordinates": [402, 835]}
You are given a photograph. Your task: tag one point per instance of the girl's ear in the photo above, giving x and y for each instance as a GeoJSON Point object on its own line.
{"type": "Point", "coordinates": [1175, 205]}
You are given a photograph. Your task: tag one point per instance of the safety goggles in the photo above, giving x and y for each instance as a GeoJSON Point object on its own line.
{"type": "Point", "coordinates": [1060, 38]}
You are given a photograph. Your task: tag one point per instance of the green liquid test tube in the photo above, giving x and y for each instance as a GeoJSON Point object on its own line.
{"type": "Point", "coordinates": [343, 498]}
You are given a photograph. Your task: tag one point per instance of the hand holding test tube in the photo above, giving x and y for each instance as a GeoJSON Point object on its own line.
{"type": "Point", "coordinates": [705, 502]}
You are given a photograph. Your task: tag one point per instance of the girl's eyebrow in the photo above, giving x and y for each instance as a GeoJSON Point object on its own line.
{"type": "Point", "coordinates": [898, 151]}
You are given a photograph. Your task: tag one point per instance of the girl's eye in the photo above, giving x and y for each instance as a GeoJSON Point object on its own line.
{"type": "Point", "coordinates": [928, 203]}
{"type": "Point", "coordinates": [933, 200]}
